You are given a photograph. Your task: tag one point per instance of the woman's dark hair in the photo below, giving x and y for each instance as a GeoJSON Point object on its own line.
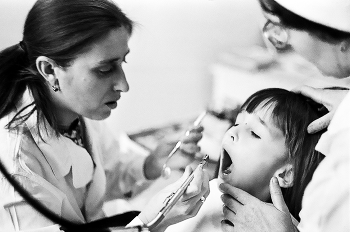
{"type": "Point", "coordinates": [292, 113]}
{"type": "Point", "coordinates": [294, 21]}
{"type": "Point", "coordinates": [59, 30]}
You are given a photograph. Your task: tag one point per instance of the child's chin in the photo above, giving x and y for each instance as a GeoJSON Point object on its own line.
{"type": "Point", "coordinates": [220, 180]}
{"type": "Point", "coordinates": [226, 181]}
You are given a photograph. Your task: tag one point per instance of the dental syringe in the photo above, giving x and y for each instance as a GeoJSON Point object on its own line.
{"type": "Point", "coordinates": [171, 200]}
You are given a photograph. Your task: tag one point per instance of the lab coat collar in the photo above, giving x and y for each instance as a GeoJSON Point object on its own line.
{"type": "Point", "coordinates": [61, 153]}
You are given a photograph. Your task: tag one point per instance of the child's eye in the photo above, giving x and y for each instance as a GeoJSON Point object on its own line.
{"type": "Point", "coordinates": [255, 135]}
{"type": "Point", "coordinates": [236, 124]}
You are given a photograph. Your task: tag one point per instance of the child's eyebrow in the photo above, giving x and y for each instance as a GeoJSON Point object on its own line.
{"type": "Point", "coordinates": [272, 129]}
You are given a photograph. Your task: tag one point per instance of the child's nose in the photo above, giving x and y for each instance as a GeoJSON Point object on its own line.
{"type": "Point", "coordinates": [234, 135]}
{"type": "Point", "coordinates": [236, 131]}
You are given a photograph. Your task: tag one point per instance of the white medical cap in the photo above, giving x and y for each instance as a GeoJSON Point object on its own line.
{"type": "Point", "coordinates": [331, 13]}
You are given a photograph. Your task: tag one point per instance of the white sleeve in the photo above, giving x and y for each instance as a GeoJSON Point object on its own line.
{"type": "Point", "coordinates": [326, 205]}
{"type": "Point", "coordinates": [123, 162]}
{"type": "Point", "coordinates": [17, 215]}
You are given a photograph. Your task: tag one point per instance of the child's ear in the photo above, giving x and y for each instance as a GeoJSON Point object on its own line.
{"type": "Point", "coordinates": [285, 176]}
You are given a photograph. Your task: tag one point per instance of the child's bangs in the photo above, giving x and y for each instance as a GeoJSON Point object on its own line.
{"type": "Point", "coordinates": [275, 104]}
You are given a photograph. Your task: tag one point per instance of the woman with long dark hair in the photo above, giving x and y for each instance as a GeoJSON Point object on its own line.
{"type": "Point", "coordinates": [56, 87]}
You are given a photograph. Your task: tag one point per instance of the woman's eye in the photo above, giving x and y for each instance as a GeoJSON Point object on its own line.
{"type": "Point", "coordinates": [236, 124]}
{"type": "Point", "coordinates": [106, 69]}
{"type": "Point", "coordinates": [255, 135]}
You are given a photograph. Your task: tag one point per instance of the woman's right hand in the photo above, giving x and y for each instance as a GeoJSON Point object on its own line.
{"type": "Point", "coordinates": [328, 97]}
{"type": "Point", "coordinates": [186, 207]}
{"type": "Point", "coordinates": [184, 156]}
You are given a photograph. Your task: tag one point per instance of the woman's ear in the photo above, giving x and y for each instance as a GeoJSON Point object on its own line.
{"type": "Point", "coordinates": [46, 67]}
{"type": "Point", "coordinates": [285, 176]}
{"type": "Point", "coordinates": [345, 46]}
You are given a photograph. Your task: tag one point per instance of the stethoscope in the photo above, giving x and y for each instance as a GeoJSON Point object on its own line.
{"type": "Point", "coordinates": [105, 224]}
{"type": "Point", "coordinates": [102, 225]}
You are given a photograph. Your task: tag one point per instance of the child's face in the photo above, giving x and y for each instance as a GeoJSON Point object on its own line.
{"type": "Point", "coordinates": [252, 151]}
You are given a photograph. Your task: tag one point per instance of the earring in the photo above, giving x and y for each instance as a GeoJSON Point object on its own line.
{"type": "Point", "coordinates": [55, 88]}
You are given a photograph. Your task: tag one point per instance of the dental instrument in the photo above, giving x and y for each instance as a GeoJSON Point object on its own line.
{"type": "Point", "coordinates": [166, 170]}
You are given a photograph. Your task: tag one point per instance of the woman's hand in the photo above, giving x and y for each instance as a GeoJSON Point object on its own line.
{"type": "Point", "coordinates": [329, 98]}
{"type": "Point", "coordinates": [187, 206]}
{"type": "Point", "coordinates": [245, 213]}
{"type": "Point", "coordinates": [183, 157]}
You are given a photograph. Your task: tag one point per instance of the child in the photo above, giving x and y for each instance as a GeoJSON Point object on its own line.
{"type": "Point", "coordinates": [269, 139]}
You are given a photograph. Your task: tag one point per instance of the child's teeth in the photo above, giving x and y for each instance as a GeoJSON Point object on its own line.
{"type": "Point", "coordinates": [227, 172]}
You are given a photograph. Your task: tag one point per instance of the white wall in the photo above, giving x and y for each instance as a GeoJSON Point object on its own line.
{"type": "Point", "coordinates": [174, 43]}
{"type": "Point", "coordinates": [12, 16]}
{"type": "Point", "coordinates": [171, 50]}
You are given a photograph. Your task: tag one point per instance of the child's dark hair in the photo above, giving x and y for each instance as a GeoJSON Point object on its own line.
{"type": "Point", "coordinates": [292, 113]}
{"type": "Point", "coordinates": [59, 30]}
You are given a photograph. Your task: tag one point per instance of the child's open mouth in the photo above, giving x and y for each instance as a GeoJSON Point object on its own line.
{"type": "Point", "coordinates": [226, 163]}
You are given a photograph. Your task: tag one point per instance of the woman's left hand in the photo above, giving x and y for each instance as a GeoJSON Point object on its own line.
{"type": "Point", "coordinates": [183, 157]}
{"type": "Point", "coordinates": [186, 207]}
{"type": "Point", "coordinates": [329, 97]}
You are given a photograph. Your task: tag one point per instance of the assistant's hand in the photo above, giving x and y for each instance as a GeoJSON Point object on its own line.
{"type": "Point", "coordinates": [328, 97]}
{"type": "Point", "coordinates": [187, 206]}
{"type": "Point", "coordinates": [243, 212]}
{"type": "Point", "coordinates": [183, 157]}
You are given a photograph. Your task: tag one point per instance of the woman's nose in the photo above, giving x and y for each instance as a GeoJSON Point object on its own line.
{"type": "Point", "coordinates": [121, 84]}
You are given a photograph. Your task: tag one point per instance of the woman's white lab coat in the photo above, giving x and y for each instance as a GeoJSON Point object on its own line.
{"type": "Point", "coordinates": [69, 180]}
